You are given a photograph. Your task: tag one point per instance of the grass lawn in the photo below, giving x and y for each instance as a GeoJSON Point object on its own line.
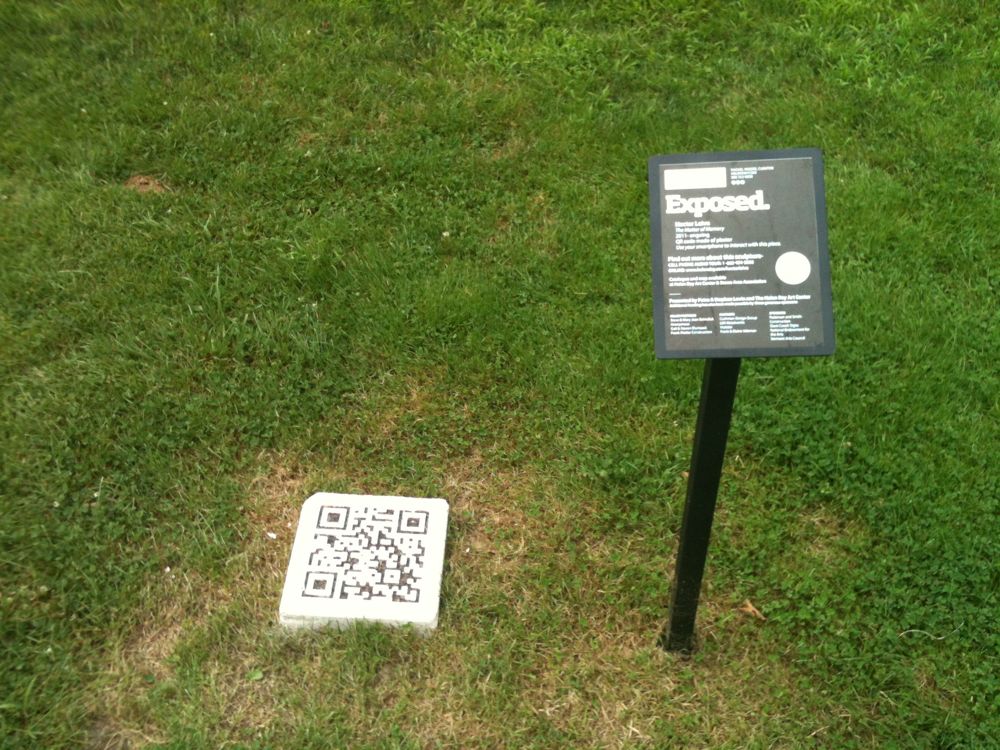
{"type": "Point", "coordinates": [249, 251]}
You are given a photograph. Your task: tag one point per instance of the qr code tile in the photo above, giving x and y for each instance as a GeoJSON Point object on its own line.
{"type": "Point", "coordinates": [367, 553]}
{"type": "Point", "coordinates": [366, 557]}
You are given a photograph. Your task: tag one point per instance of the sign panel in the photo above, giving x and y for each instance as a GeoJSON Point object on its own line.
{"type": "Point", "coordinates": [740, 260]}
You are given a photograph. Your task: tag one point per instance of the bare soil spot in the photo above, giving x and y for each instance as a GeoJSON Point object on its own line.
{"type": "Point", "coordinates": [501, 231]}
{"type": "Point", "coordinates": [306, 138]}
{"type": "Point", "coordinates": [143, 183]}
{"type": "Point", "coordinates": [104, 736]}
{"type": "Point", "coordinates": [511, 148]}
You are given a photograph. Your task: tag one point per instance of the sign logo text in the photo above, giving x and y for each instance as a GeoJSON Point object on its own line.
{"type": "Point", "coordinates": [678, 204]}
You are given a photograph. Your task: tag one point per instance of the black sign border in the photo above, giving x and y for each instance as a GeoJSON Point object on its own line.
{"type": "Point", "coordinates": [656, 227]}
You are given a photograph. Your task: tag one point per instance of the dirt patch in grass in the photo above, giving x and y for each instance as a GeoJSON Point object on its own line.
{"type": "Point", "coordinates": [510, 148]}
{"type": "Point", "coordinates": [306, 138]}
{"type": "Point", "coordinates": [105, 736]}
{"type": "Point", "coordinates": [142, 183]}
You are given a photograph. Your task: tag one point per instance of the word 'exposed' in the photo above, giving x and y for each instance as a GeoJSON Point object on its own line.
{"type": "Point", "coordinates": [677, 204]}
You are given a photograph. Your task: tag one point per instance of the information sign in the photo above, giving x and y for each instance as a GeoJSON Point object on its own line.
{"type": "Point", "coordinates": [740, 269]}
{"type": "Point", "coordinates": [740, 260]}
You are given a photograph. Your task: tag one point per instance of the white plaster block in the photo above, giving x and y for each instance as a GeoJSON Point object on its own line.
{"type": "Point", "coordinates": [366, 557]}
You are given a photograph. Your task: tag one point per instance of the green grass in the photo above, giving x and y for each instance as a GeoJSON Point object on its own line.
{"type": "Point", "coordinates": [404, 249]}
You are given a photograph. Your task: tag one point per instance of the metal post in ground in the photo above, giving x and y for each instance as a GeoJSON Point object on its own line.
{"type": "Point", "coordinates": [718, 390]}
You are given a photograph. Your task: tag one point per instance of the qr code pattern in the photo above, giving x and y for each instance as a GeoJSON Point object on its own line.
{"type": "Point", "coordinates": [366, 554]}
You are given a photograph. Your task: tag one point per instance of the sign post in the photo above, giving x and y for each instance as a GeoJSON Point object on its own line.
{"type": "Point", "coordinates": [740, 269]}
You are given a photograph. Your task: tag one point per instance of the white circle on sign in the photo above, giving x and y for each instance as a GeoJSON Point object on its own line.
{"type": "Point", "coordinates": [792, 268]}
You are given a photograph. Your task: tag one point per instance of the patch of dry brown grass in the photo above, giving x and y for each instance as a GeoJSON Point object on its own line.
{"type": "Point", "coordinates": [599, 678]}
{"type": "Point", "coordinates": [176, 603]}
{"type": "Point", "coordinates": [142, 183]}
{"type": "Point", "coordinates": [179, 603]}
{"type": "Point", "coordinates": [824, 537]}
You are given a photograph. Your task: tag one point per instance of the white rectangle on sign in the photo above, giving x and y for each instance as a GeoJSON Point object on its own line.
{"type": "Point", "coordinates": [698, 178]}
